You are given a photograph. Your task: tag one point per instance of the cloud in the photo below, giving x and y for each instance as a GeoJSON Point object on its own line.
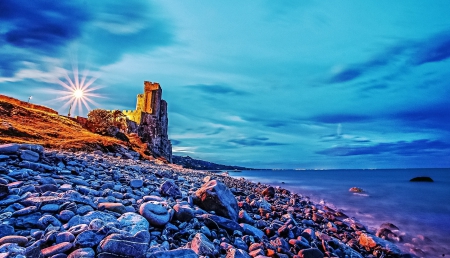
{"type": "Point", "coordinates": [217, 89]}
{"type": "Point", "coordinates": [434, 116]}
{"type": "Point", "coordinates": [255, 141]}
{"type": "Point", "coordinates": [404, 54]}
{"type": "Point", "coordinates": [340, 118]}
{"type": "Point", "coordinates": [37, 30]}
{"type": "Point", "coordinates": [402, 148]}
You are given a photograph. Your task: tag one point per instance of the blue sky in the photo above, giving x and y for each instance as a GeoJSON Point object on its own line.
{"type": "Point", "coordinates": [270, 84]}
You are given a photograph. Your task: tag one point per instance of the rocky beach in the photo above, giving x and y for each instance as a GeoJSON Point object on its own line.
{"type": "Point", "coordinates": [93, 204]}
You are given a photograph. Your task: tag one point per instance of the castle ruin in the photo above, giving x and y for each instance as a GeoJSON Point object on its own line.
{"type": "Point", "coordinates": [150, 120]}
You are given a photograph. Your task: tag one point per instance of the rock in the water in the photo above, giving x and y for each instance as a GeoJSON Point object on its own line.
{"type": "Point", "coordinates": [421, 179]}
{"type": "Point", "coordinates": [156, 214]}
{"type": "Point", "coordinates": [215, 196]}
{"type": "Point", "coordinates": [371, 241]}
{"type": "Point", "coordinates": [202, 246]}
{"type": "Point", "coordinates": [133, 223]}
{"type": "Point", "coordinates": [125, 245]}
{"type": "Point", "coordinates": [356, 190]}
{"type": "Point", "coordinates": [169, 188]}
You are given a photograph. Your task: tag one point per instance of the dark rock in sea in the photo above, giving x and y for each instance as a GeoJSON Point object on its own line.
{"type": "Point", "coordinates": [421, 179]}
{"type": "Point", "coordinates": [215, 196]}
{"type": "Point", "coordinates": [356, 190]}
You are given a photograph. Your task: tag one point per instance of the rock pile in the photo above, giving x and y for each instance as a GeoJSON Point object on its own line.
{"type": "Point", "coordinates": [62, 204]}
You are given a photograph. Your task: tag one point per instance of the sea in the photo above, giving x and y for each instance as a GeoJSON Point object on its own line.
{"type": "Point", "coordinates": [421, 210]}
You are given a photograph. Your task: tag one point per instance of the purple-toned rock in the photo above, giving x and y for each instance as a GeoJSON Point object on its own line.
{"type": "Point", "coordinates": [169, 188]}
{"type": "Point", "coordinates": [215, 196]}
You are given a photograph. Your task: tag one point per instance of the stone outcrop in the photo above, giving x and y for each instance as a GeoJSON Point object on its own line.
{"type": "Point", "coordinates": [150, 120]}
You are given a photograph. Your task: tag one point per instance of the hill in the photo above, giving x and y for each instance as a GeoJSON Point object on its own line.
{"type": "Point", "coordinates": [21, 122]}
{"type": "Point", "coordinates": [188, 162]}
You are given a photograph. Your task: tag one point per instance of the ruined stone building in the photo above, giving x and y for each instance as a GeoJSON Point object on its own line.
{"type": "Point", "coordinates": [150, 120]}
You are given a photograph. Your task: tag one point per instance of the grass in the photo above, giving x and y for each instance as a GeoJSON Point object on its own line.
{"type": "Point", "coordinates": [24, 123]}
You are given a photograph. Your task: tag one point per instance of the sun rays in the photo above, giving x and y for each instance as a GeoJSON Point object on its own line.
{"type": "Point", "coordinates": [78, 91]}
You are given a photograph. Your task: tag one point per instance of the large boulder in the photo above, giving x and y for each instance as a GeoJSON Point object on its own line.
{"type": "Point", "coordinates": [215, 196]}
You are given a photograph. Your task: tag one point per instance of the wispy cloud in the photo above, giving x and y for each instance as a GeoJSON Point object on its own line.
{"type": "Point", "coordinates": [217, 89]}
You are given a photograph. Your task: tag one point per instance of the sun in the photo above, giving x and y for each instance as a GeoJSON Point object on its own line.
{"type": "Point", "coordinates": [78, 93]}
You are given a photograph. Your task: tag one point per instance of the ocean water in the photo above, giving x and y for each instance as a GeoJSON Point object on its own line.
{"type": "Point", "coordinates": [420, 210]}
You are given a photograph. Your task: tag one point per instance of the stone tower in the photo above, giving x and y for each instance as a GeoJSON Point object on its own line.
{"type": "Point", "coordinates": [151, 120]}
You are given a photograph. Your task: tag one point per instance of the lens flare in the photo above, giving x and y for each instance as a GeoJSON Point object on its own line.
{"type": "Point", "coordinates": [78, 94]}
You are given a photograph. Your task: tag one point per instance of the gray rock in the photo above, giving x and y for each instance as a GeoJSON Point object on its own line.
{"type": "Point", "coordinates": [183, 212]}
{"type": "Point", "coordinates": [176, 253]}
{"type": "Point", "coordinates": [125, 245]}
{"type": "Point", "coordinates": [201, 245]}
{"type": "Point", "coordinates": [136, 183]}
{"type": "Point", "coordinates": [29, 155]}
{"type": "Point", "coordinates": [169, 188]}
{"type": "Point", "coordinates": [133, 223]}
{"type": "Point", "coordinates": [156, 214]}
{"type": "Point", "coordinates": [6, 230]}
{"type": "Point", "coordinates": [82, 253]}
{"type": "Point", "coordinates": [10, 148]}
{"type": "Point", "coordinates": [4, 191]}
{"type": "Point", "coordinates": [89, 238]}
{"type": "Point", "coordinates": [237, 253]}
{"type": "Point", "coordinates": [215, 196]}
{"type": "Point", "coordinates": [310, 253]}
{"type": "Point", "coordinates": [212, 220]}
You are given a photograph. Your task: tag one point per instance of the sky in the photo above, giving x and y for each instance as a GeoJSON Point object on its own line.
{"type": "Point", "coordinates": [264, 84]}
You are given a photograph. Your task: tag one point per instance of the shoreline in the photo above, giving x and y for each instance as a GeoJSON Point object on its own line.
{"type": "Point", "coordinates": [69, 204]}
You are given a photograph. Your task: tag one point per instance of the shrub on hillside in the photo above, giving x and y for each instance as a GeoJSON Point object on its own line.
{"type": "Point", "coordinates": [106, 122]}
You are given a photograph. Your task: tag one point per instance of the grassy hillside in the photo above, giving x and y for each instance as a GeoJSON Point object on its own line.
{"type": "Point", "coordinates": [21, 122]}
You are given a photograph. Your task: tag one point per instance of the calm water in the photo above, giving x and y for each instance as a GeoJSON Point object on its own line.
{"type": "Point", "coordinates": [420, 210]}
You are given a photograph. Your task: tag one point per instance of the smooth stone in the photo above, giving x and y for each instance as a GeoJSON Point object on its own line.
{"type": "Point", "coordinates": [133, 223]}
{"type": "Point", "coordinates": [6, 230]}
{"type": "Point", "coordinates": [136, 183]}
{"type": "Point", "coordinates": [213, 221]}
{"type": "Point", "coordinates": [237, 253]}
{"type": "Point", "coordinates": [125, 245]}
{"type": "Point", "coordinates": [86, 219]}
{"type": "Point", "coordinates": [32, 147]}
{"type": "Point", "coordinates": [25, 211]}
{"type": "Point", "coordinates": [156, 214]}
{"type": "Point", "coordinates": [88, 238]}
{"type": "Point", "coordinates": [43, 200]}
{"type": "Point", "coordinates": [66, 215]}
{"type": "Point", "coordinates": [47, 220]}
{"type": "Point", "coordinates": [82, 210]}
{"type": "Point", "coordinates": [4, 191]}
{"type": "Point", "coordinates": [29, 155]}
{"type": "Point", "coordinates": [20, 240]}
{"type": "Point", "coordinates": [170, 188]}
{"type": "Point", "coordinates": [176, 253]}
{"type": "Point", "coordinates": [11, 248]}
{"type": "Point", "coordinates": [28, 221]}
{"type": "Point", "coordinates": [310, 253]}
{"type": "Point", "coordinates": [115, 207]}
{"type": "Point", "coordinates": [65, 237]}
{"type": "Point", "coordinates": [10, 148]}
{"type": "Point", "coordinates": [183, 212]}
{"type": "Point", "coordinates": [46, 188]}
{"type": "Point", "coordinates": [50, 208]}
{"type": "Point", "coordinates": [9, 200]}
{"type": "Point", "coordinates": [65, 187]}
{"type": "Point", "coordinates": [215, 196]}
{"type": "Point", "coordinates": [3, 157]}
{"type": "Point", "coordinates": [56, 249]}
{"type": "Point", "coordinates": [78, 229]}
{"type": "Point", "coordinates": [82, 253]}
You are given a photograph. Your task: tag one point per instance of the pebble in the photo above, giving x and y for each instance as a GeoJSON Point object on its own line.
{"type": "Point", "coordinates": [66, 204]}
